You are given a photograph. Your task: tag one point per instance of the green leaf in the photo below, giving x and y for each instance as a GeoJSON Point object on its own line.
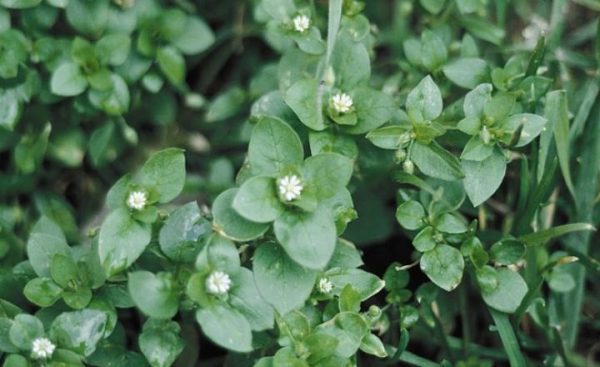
{"type": "Point", "coordinates": [412, 51]}
{"type": "Point", "coordinates": [308, 238]}
{"type": "Point", "coordinates": [349, 299]}
{"type": "Point", "coordinates": [154, 294]}
{"type": "Point", "coordinates": [88, 17]}
{"type": "Point", "coordinates": [257, 200]}
{"type": "Point", "coordinates": [469, 6]}
{"type": "Point", "coordinates": [113, 48]}
{"type": "Point", "coordinates": [328, 142]}
{"type": "Point", "coordinates": [29, 153]}
{"type": "Point", "coordinates": [195, 38]}
{"type": "Point", "coordinates": [101, 147]}
{"type": "Point", "coordinates": [226, 105]}
{"type": "Point", "coordinates": [364, 283]}
{"type": "Point", "coordinates": [444, 265]}
{"type": "Point", "coordinates": [482, 179]}
{"type": "Point", "coordinates": [483, 29]}
{"type": "Point", "coordinates": [561, 280]}
{"type": "Point", "coordinates": [172, 64]}
{"type": "Point", "coordinates": [183, 233]}
{"type": "Point", "coordinates": [10, 110]}
{"type": "Point", "coordinates": [79, 331]}
{"type": "Point", "coordinates": [477, 150]}
{"type": "Point", "coordinates": [390, 137]}
{"type": "Point", "coordinates": [351, 64]}
{"type": "Point", "coordinates": [373, 109]}
{"type": "Point", "coordinates": [16, 360]}
{"type": "Point", "coordinates": [122, 240]}
{"type": "Point", "coordinates": [13, 53]}
{"type": "Point", "coordinates": [487, 278]}
{"type": "Point", "coordinates": [310, 41]}
{"type": "Point", "coordinates": [346, 255]}
{"type": "Point", "coordinates": [327, 173]}
{"type": "Point", "coordinates": [435, 161]}
{"type": "Point", "coordinates": [164, 173]}
{"type": "Point", "coordinates": [321, 347]}
{"type": "Point", "coordinates": [68, 80]}
{"type": "Point", "coordinates": [161, 346]}
{"type": "Point", "coordinates": [537, 57]}
{"type": "Point", "coordinates": [246, 299]}
{"type": "Point", "coordinates": [424, 240]}
{"type": "Point", "coordinates": [42, 291]}
{"type": "Point", "coordinates": [78, 298]}
{"type": "Point", "coordinates": [302, 99]}
{"type": "Point", "coordinates": [229, 223]}
{"type": "Point", "coordinates": [532, 127]}
{"type": "Point", "coordinates": [476, 100]}
{"type": "Point", "coordinates": [20, 4]}
{"type": "Point", "coordinates": [68, 147]}
{"type": "Point", "coordinates": [117, 195]}
{"type": "Point", "coordinates": [509, 293]}
{"type": "Point", "coordinates": [499, 106]}
{"type": "Point", "coordinates": [545, 235]}
{"type": "Point", "coordinates": [24, 329]}
{"type": "Point", "coordinates": [371, 344]}
{"type": "Point", "coordinates": [433, 51]}
{"type": "Point", "coordinates": [467, 72]}
{"type": "Point", "coordinates": [279, 9]}
{"type": "Point", "coordinates": [45, 241]}
{"type": "Point", "coordinates": [557, 114]}
{"type": "Point", "coordinates": [63, 270]}
{"type": "Point", "coordinates": [411, 215]}
{"type": "Point", "coordinates": [226, 327]}
{"type": "Point", "coordinates": [424, 102]}
{"type": "Point", "coordinates": [6, 346]}
{"type": "Point", "coordinates": [507, 251]}
{"type": "Point", "coordinates": [280, 281]}
{"type": "Point", "coordinates": [470, 125]}
{"type": "Point", "coordinates": [287, 357]}
{"type": "Point", "coordinates": [349, 329]}
{"type": "Point", "coordinates": [273, 146]}
{"type": "Point", "coordinates": [450, 223]}
{"type": "Point", "coordinates": [221, 254]}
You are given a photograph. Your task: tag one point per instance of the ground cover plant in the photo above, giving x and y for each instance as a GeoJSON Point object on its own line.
{"type": "Point", "coordinates": [299, 183]}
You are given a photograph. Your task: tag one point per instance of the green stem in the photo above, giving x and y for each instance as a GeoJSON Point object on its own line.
{"type": "Point", "coordinates": [464, 318]}
{"type": "Point", "coordinates": [509, 339]}
{"type": "Point", "coordinates": [333, 25]}
{"type": "Point", "coordinates": [586, 187]}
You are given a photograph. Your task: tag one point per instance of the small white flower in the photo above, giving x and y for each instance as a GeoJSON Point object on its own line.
{"type": "Point", "coordinates": [137, 200]}
{"type": "Point", "coordinates": [325, 285]}
{"type": "Point", "coordinates": [42, 348]}
{"type": "Point", "coordinates": [342, 102]}
{"type": "Point", "coordinates": [290, 187]}
{"type": "Point", "coordinates": [301, 23]}
{"type": "Point", "coordinates": [218, 282]}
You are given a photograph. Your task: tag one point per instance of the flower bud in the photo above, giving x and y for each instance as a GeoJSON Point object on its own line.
{"type": "Point", "coordinates": [404, 138]}
{"type": "Point", "coordinates": [408, 166]}
{"type": "Point", "coordinates": [400, 155]}
{"type": "Point", "coordinates": [485, 135]}
{"type": "Point", "coordinates": [329, 77]}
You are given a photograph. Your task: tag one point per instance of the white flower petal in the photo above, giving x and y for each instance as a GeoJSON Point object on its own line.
{"type": "Point", "coordinates": [137, 200]}
{"type": "Point", "coordinates": [301, 23]}
{"type": "Point", "coordinates": [218, 282]}
{"type": "Point", "coordinates": [342, 103]}
{"type": "Point", "coordinates": [42, 348]}
{"type": "Point", "coordinates": [290, 187]}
